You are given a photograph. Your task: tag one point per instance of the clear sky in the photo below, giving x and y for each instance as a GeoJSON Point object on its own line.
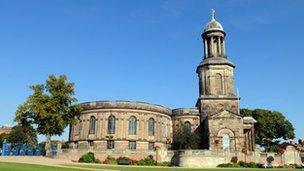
{"type": "Point", "coordinates": [149, 50]}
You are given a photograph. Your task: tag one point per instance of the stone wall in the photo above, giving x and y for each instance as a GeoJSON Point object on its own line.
{"type": "Point", "coordinates": [226, 124]}
{"type": "Point", "coordinates": [183, 115]}
{"type": "Point", "coordinates": [81, 138]}
{"type": "Point", "coordinates": [191, 158]}
{"type": "Point", "coordinates": [75, 154]}
{"type": "Point", "coordinates": [199, 159]}
{"type": "Point", "coordinates": [207, 158]}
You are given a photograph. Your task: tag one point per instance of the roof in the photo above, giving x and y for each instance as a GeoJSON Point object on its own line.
{"type": "Point", "coordinates": [185, 111]}
{"type": "Point", "coordinates": [123, 104]}
{"type": "Point", "coordinates": [213, 25]}
{"type": "Point", "coordinates": [216, 61]}
{"type": "Point", "coordinates": [249, 119]}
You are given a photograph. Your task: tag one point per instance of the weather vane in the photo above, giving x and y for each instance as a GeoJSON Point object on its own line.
{"type": "Point", "coordinates": [212, 14]}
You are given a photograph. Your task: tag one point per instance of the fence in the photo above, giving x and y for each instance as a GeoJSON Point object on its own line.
{"type": "Point", "coordinates": [9, 149]}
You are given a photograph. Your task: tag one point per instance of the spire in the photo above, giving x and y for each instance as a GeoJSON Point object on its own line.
{"type": "Point", "coordinates": [212, 14]}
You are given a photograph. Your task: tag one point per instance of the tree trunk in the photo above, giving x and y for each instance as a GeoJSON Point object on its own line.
{"type": "Point", "coordinates": [48, 152]}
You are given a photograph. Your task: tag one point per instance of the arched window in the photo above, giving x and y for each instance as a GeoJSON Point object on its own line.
{"type": "Point", "coordinates": [111, 124]}
{"type": "Point", "coordinates": [132, 125]}
{"type": "Point", "coordinates": [92, 125]}
{"type": "Point", "coordinates": [187, 126]}
{"type": "Point", "coordinates": [226, 142]}
{"type": "Point", "coordinates": [151, 127]}
{"type": "Point", "coordinates": [218, 84]}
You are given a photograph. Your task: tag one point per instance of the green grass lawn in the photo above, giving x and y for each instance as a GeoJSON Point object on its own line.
{"type": "Point", "coordinates": [147, 168]}
{"type": "Point", "coordinates": [31, 167]}
{"type": "Point", "coordinates": [4, 166]}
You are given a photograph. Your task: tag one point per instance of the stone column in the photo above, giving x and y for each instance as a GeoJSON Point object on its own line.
{"type": "Point", "coordinates": [219, 45]}
{"type": "Point", "coordinates": [97, 126]}
{"type": "Point", "coordinates": [141, 126]}
{"type": "Point", "coordinates": [225, 82]}
{"type": "Point", "coordinates": [103, 126]}
{"type": "Point", "coordinates": [211, 46]}
{"type": "Point", "coordinates": [252, 137]}
{"type": "Point", "coordinates": [224, 48]}
{"type": "Point", "coordinates": [206, 48]}
{"type": "Point", "coordinates": [125, 133]}
{"type": "Point", "coordinates": [121, 127]}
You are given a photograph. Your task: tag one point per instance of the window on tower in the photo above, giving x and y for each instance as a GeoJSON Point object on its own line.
{"type": "Point", "coordinates": [218, 84]}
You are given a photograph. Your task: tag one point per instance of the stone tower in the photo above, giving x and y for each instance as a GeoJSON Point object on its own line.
{"type": "Point", "coordinates": [221, 122]}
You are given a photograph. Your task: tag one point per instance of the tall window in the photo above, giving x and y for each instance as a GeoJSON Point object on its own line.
{"type": "Point", "coordinates": [226, 142]}
{"type": "Point", "coordinates": [132, 125]}
{"type": "Point", "coordinates": [187, 126]}
{"type": "Point", "coordinates": [111, 124]}
{"type": "Point", "coordinates": [92, 125]}
{"type": "Point", "coordinates": [132, 145]}
{"type": "Point", "coordinates": [110, 144]}
{"type": "Point", "coordinates": [151, 128]}
{"type": "Point", "coordinates": [218, 84]}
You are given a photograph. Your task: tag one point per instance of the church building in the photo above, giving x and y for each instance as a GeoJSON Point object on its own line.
{"type": "Point", "coordinates": [138, 126]}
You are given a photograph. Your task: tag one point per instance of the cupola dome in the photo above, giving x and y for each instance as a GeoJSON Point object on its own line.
{"type": "Point", "coordinates": [213, 25]}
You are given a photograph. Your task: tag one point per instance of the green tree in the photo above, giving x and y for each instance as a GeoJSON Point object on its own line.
{"type": "Point", "coordinates": [270, 126]}
{"type": "Point", "coordinates": [50, 108]}
{"type": "Point", "coordinates": [185, 139]}
{"type": "Point", "coordinates": [3, 136]}
{"type": "Point", "coordinates": [23, 134]}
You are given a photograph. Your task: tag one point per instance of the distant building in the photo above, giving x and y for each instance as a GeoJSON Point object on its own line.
{"type": "Point", "coordinates": [5, 129]}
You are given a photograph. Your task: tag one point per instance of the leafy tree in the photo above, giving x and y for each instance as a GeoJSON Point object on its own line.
{"type": "Point", "coordinates": [3, 136]}
{"type": "Point", "coordinates": [185, 139]}
{"type": "Point", "coordinates": [270, 126]}
{"type": "Point", "coordinates": [23, 134]}
{"type": "Point", "coordinates": [51, 107]}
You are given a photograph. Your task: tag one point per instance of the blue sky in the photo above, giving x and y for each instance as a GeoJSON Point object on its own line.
{"type": "Point", "coordinates": [149, 50]}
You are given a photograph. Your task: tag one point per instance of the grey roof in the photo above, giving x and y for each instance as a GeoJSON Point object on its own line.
{"type": "Point", "coordinates": [185, 111]}
{"type": "Point", "coordinates": [213, 25]}
{"type": "Point", "coordinates": [216, 61]}
{"type": "Point", "coordinates": [123, 104]}
{"type": "Point", "coordinates": [249, 119]}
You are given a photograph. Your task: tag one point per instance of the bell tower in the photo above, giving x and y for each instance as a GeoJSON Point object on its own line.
{"type": "Point", "coordinates": [217, 102]}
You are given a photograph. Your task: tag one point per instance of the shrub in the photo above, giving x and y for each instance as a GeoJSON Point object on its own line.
{"type": "Point", "coordinates": [133, 162]}
{"type": "Point", "coordinates": [97, 161]}
{"type": "Point", "coordinates": [249, 165]}
{"type": "Point", "coordinates": [89, 158]}
{"type": "Point", "coordinates": [164, 164]}
{"type": "Point", "coordinates": [148, 161]}
{"type": "Point", "coordinates": [234, 159]}
{"type": "Point", "coordinates": [242, 164]}
{"type": "Point", "coordinates": [295, 166]}
{"type": "Point", "coordinates": [228, 165]}
{"type": "Point", "coordinates": [110, 160]}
